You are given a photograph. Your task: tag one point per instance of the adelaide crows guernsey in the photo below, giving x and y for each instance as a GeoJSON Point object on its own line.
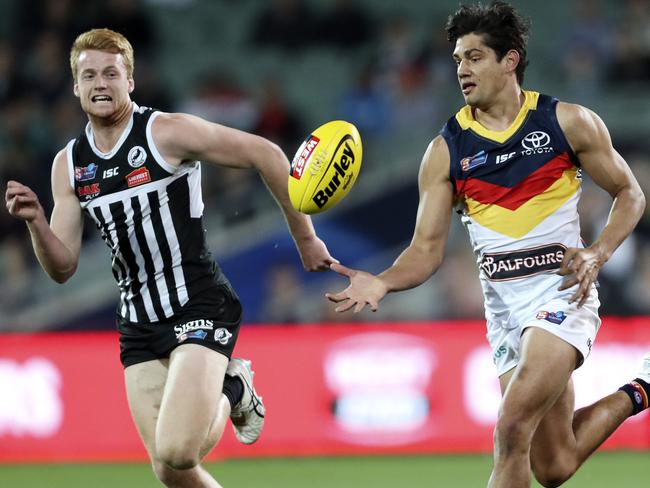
{"type": "Point", "coordinates": [150, 216]}
{"type": "Point", "coordinates": [517, 192]}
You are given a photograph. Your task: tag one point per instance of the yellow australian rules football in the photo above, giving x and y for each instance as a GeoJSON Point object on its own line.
{"type": "Point", "coordinates": [325, 167]}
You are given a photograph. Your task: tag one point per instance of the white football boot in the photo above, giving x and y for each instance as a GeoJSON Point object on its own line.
{"type": "Point", "coordinates": [248, 415]}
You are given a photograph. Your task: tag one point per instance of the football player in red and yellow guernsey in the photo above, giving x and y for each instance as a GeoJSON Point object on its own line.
{"type": "Point", "coordinates": [511, 161]}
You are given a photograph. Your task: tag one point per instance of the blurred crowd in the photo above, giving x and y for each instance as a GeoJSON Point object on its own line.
{"type": "Point", "coordinates": [400, 83]}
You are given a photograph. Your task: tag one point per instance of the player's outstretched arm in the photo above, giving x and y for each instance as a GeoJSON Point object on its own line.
{"type": "Point", "coordinates": [183, 137]}
{"type": "Point", "coordinates": [591, 143]}
{"type": "Point", "coordinates": [424, 255]}
{"type": "Point", "coordinates": [57, 245]}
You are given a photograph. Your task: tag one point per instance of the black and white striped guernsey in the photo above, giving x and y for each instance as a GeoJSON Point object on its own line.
{"type": "Point", "coordinates": [150, 216]}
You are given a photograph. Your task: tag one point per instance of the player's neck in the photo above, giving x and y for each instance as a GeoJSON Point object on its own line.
{"type": "Point", "coordinates": [503, 110]}
{"type": "Point", "coordinates": [107, 131]}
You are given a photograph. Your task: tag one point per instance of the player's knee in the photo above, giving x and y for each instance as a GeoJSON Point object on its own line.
{"type": "Point", "coordinates": [554, 473]}
{"type": "Point", "coordinates": [511, 436]}
{"type": "Point", "coordinates": [554, 477]}
{"type": "Point", "coordinates": [168, 476]}
{"type": "Point", "coordinates": [178, 456]}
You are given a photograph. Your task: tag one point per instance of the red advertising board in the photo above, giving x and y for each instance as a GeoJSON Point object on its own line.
{"type": "Point", "coordinates": [329, 389]}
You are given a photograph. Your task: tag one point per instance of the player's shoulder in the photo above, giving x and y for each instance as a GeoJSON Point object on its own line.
{"type": "Point", "coordinates": [439, 145]}
{"type": "Point", "coordinates": [61, 157]}
{"type": "Point", "coordinates": [172, 124]}
{"type": "Point", "coordinates": [577, 120]}
{"type": "Point", "coordinates": [571, 114]}
{"type": "Point", "coordinates": [436, 158]}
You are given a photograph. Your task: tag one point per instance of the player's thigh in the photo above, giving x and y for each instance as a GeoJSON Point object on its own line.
{"type": "Point", "coordinates": [542, 373]}
{"type": "Point", "coordinates": [192, 395]}
{"type": "Point", "coordinates": [145, 385]}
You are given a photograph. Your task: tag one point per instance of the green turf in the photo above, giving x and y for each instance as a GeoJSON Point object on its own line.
{"type": "Point", "coordinates": [605, 470]}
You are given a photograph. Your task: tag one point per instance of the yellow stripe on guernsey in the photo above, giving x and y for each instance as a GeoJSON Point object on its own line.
{"type": "Point", "coordinates": [517, 223]}
{"type": "Point", "coordinates": [466, 120]}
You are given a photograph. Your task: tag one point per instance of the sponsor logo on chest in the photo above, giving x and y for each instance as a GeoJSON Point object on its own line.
{"type": "Point", "coordinates": [85, 173]}
{"type": "Point", "coordinates": [519, 264]}
{"type": "Point", "coordinates": [138, 177]}
{"type": "Point", "coordinates": [88, 191]}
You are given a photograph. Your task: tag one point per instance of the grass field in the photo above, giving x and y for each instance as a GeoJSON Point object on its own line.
{"type": "Point", "coordinates": [604, 470]}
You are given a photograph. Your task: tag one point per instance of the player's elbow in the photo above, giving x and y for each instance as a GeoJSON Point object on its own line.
{"type": "Point", "coordinates": [641, 201]}
{"type": "Point", "coordinates": [638, 203]}
{"type": "Point", "coordinates": [266, 152]}
{"type": "Point", "coordinates": [61, 276]}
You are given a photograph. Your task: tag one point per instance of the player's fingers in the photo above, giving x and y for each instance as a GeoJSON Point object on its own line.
{"type": "Point", "coordinates": [331, 260]}
{"type": "Point", "coordinates": [569, 267]}
{"type": "Point", "coordinates": [373, 305]}
{"type": "Point", "coordinates": [345, 306]}
{"type": "Point", "coordinates": [12, 192]}
{"type": "Point", "coordinates": [568, 257]}
{"type": "Point", "coordinates": [343, 270]}
{"type": "Point", "coordinates": [322, 266]}
{"type": "Point", "coordinates": [11, 205]}
{"type": "Point", "coordinates": [359, 307]}
{"type": "Point", "coordinates": [568, 283]}
{"type": "Point", "coordinates": [583, 300]}
{"type": "Point", "coordinates": [581, 291]}
{"type": "Point", "coordinates": [336, 297]}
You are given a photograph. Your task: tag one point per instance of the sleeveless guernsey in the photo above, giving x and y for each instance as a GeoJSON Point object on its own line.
{"type": "Point", "coordinates": [517, 192]}
{"type": "Point", "coordinates": [150, 216]}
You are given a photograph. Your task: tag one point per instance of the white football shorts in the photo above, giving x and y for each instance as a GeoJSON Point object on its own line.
{"type": "Point", "coordinates": [577, 326]}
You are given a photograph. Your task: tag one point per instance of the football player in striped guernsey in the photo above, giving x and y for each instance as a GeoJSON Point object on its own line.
{"type": "Point", "coordinates": [511, 162]}
{"type": "Point", "coordinates": [135, 171]}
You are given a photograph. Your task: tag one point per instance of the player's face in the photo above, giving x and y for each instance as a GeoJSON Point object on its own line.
{"type": "Point", "coordinates": [480, 75]}
{"type": "Point", "coordinates": [102, 85]}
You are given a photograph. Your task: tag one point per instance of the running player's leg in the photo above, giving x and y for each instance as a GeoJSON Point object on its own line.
{"type": "Point", "coordinates": [193, 412]}
{"type": "Point", "coordinates": [145, 385]}
{"type": "Point", "coordinates": [542, 373]}
{"type": "Point", "coordinates": [564, 439]}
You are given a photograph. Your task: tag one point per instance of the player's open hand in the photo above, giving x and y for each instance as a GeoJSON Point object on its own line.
{"type": "Point", "coordinates": [22, 202]}
{"type": "Point", "coordinates": [314, 255]}
{"type": "Point", "coordinates": [581, 267]}
{"type": "Point", "coordinates": [365, 289]}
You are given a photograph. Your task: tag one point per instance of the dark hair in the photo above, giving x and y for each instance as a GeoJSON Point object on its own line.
{"type": "Point", "coordinates": [500, 25]}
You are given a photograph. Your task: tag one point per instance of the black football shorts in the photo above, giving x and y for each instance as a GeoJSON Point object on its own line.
{"type": "Point", "coordinates": [213, 323]}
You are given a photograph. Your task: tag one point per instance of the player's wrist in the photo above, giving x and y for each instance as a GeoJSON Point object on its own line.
{"type": "Point", "coordinates": [602, 252]}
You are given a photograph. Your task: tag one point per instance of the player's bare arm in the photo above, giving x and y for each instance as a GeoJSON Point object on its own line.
{"type": "Point", "coordinates": [591, 142]}
{"type": "Point", "coordinates": [183, 137]}
{"type": "Point", "coordinates": [424, 254]}
{"type": "Point", "coordinates": [57, 244]}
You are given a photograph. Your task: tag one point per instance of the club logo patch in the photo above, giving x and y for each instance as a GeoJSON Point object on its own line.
{"type": "Point", "coordinates": [222, 336]}
{"type": "Point", "coordinates": [137, 156]}
{"type": "Point", "coordinates": [473, 161]}
{"type": "Point", "coordinates": [85, 173]}
{"type": "Point", "coordinates": [553, 317]}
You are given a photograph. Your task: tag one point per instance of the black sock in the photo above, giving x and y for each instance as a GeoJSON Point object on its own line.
{"type": "Point", "coordinates": [638, 391]}
{"type": "Point", "coordinates": [233, 388]}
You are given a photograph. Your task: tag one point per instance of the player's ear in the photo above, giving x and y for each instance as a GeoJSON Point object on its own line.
{"type": "Point", "coordinates": [131, 85]}
{"type": "Point", "coordinates": [512, 59]}
{"type": "Point", "coordinates": [75, 89]}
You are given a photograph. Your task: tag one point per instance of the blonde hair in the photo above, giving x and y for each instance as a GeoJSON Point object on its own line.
{"type": "Point", "coordinates": [102, 40]}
